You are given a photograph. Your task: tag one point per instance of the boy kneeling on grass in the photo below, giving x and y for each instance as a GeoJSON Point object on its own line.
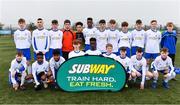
{"type": "Point", "coordinates": [126, 62]}
{"type": "Point", "coordinates": [18, 71]}
{"type": "Point", "coordinates": [138, 67]}
{"type": "Point", "coordinates": [39, 71]}
{"type": "Point", "coordinates": [164, 65]}
{"type": "Point", "coordinates": [55, 62]}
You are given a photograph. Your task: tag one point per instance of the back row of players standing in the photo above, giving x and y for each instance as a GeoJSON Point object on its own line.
{"type": "Point", "coordinates": [46, 41]}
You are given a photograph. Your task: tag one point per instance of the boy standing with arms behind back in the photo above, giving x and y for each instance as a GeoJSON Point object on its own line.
{"type": "Point", "coordinates": [89, 32]}
{"type": "Point", "coordinates": [22, 39]}
{"type": "Point", "coordinates": [169, 40]}
{"type": "Point", "coordinates": [67, 41]}
{"type": "Point", "coordinates": [55, 38]}
{"type": "Point", "coordinates": [152, 45]}
{"type": "Point", "coordinates": [40, 40]}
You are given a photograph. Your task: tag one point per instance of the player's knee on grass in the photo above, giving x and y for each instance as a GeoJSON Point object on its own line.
{"type": "Point", "coordinates": [149, 74]}
{"type": "Point", "coordinates": [138, 74]}
{"type": "Point", "coordinates": [133, 74]}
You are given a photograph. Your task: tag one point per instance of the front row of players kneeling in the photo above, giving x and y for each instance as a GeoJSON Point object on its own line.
{"type": "Point", "coordinates": [44, 72]}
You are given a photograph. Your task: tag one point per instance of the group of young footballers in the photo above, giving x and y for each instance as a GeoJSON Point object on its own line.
{"type": "Point", "coordinates": [137, 50]}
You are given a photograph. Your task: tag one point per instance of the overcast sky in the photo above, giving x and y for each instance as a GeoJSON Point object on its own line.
{"type": "Point", "coordinates": [79, 10]}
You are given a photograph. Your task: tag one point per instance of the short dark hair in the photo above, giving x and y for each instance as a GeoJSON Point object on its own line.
{"type": "Point", "coordinates": [109, 45]}
{"type": "Point", "coordinates": [123, 49]}
{"type": "Point", "coordinates": [138, 21]}
{"type": "Point", "coordinates": [112, 21]}
{"type": "Point", "coordinates": [79, 23]}
{"type": "Point", "coordinates": [19, 53]}
{"type": "Point", "coordinates": [39, 19]}
{"type": "Point", "coordinates": [169, 24]}
{"type": "Point", "coordinates": [67, 21]}
{"type": "Point", "coordinates": [40, 54]}
{"type": "Point", "coordinates": [56, 52]}
{"type": "Point", "coordinates": [102, 21]}
{"type": "Point", "coordinates": [54, 22]}
{"type": "Point", "coordinates": [139, 50]}
{"type": "Point", "coordinates": [76, 42]}
{"type": "Point", "coordinates": [124, 24]}
{"type": "Point", "coordinates": [164, 49]}
{"type": "Point", "coordinates": [153, 21]}
{"type": "Point", "coordinates": [92, 39]}
{"type": "Point", "coordinates": [90, 18]}
{"type": "Point", "coordinates": [21, 20]}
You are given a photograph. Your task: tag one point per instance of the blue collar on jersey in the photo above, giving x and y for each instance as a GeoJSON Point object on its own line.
{"type": "Point", "coordinates": [167, 33]}
{"type": "Point", "coordinates": [102, 30]}
{"type": "Point", "coordinates": [90, 27]}
{"type": "Point", "coordinates": [122, 57]}
{"type": "Point", "coordinates": [112, 29]}
{"type": "Point", "coordinates": [125, 32]}
{"type": "Point", "coordinates": [40, 29]}
{"type": "Point", "coordinates": [58, 60]}
{"type": "Point", "coordinates": [163, 59]}
{"type": "Point", "coordinates": [18, 61]}
{"type": "Point", "coordinates": [154, 30]}
{"type": "Point", "coordinates": [40, 63]}
{"type": "Point", "coordinates": [108, 54]}
{"type": "Point", "coordinates": [22, 29]}
{"type": "Point", "coordinates": [55, 30]}
{"type": "Point", "coordinates": [138, 30]}
{"type": "Point", "coordinates": [77, 51]}
{"type": "Point", "coordinates": [138, 59]}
